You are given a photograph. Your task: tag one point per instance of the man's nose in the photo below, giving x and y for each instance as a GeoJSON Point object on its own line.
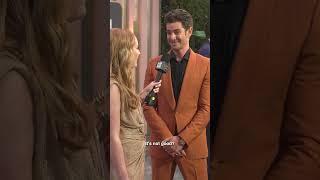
{"type": "Point", "coordinates": [172, 36]}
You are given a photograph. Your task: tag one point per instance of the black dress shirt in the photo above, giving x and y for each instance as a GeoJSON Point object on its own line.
{"type": "Point", "coordinates": [228, 17]}
{"type": "Point", "coordinates": [178, 69]}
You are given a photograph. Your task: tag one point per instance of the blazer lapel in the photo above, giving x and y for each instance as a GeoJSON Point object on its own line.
{"type": "Point", "coordinates": [167, 87]}
{"type": "Point", "coordinates": [187, 80]}
{"type": "Point", "coordinates": [255, 30]}
{"type": "Point", "coordinates": [256, 41]}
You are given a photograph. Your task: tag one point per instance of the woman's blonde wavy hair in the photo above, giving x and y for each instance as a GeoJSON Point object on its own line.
{"type": "Point", "coordinates": [122, 71]}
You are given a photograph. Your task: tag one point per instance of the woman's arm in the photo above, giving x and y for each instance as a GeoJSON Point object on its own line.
{"type": "Point", "coordinates": [16, 128]}
{"type": "Point", "coordinates": [116, 149]}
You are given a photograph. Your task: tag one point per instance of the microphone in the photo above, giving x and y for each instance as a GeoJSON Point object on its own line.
{"type": "Point", "coordinates": [162, 67]}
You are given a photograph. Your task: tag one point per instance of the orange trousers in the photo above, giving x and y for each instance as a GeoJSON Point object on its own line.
{"type": "Point", "coordinates": [163, 169]}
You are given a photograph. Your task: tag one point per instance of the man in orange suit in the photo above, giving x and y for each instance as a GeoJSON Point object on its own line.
{"type": "Point", "coordinates": [183, 106]}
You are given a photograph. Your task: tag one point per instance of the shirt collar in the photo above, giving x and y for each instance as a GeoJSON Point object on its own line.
{"type": "Point", "coordinates": [185, 57]}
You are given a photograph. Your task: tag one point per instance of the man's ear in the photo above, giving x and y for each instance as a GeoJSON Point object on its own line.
{"type": "Point", "coordinates": [189, 31]}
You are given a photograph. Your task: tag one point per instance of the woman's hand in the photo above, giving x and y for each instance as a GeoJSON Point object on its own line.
{"type": "Point", "coordinates": [149, 88]}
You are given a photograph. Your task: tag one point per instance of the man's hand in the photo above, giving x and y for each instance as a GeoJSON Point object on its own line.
{"type": "Point", "coordinates": [176, 149]}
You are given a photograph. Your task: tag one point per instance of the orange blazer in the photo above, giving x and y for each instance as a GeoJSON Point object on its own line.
{"type": "Point", "coordinates": [269, 128]}
{"type": "Point", "coordinates": [188, 117]}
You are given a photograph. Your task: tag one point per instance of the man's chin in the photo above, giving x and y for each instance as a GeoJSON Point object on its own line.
{"type": "Point", "coordinates": [175, 48]}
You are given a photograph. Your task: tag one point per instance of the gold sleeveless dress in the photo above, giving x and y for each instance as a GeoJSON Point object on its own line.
{"type": "Point", "coordinates": [132, 136]}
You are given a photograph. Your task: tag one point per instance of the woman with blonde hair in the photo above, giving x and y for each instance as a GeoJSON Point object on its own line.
{"type": "Point", "coordinates": [127, 136]}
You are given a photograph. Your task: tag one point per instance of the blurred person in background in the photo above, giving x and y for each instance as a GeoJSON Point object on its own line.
{"type": "Point", "coordinates": [46, 131]}
{"type": "Point", "coordinates": [204, 49]}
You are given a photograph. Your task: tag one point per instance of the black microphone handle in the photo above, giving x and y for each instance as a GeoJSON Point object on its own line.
{"type": "Point", "coordinates": [158, 77]}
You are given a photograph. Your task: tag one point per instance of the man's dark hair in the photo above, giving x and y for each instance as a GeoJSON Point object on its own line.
{"type": "Point", "coordinates": [179, 15]}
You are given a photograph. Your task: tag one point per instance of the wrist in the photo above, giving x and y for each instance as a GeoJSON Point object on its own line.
{"type": "Point", "coordinates": [123, 176]}
{"type": "Point", "coordinates": [121, 171]}
{"type": "Point", "coordinates": [142, 95]}
{"type": "Point", "coordinates": [181, 142]}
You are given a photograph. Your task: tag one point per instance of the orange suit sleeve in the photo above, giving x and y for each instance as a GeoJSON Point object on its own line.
{"type": "Point", "coordinates": [155, 122]}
